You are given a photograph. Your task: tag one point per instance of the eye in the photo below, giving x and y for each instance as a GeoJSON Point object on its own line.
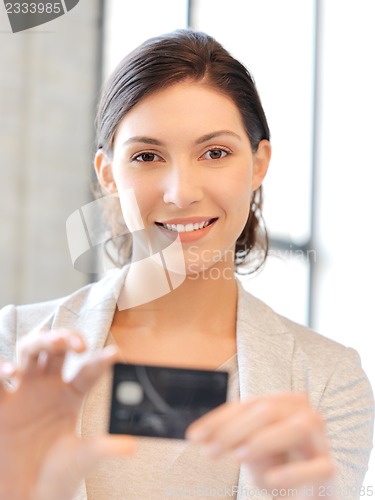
{"type": "Point", "coordinates": [147, 156]}
{"type": "Point", "coordinates": [215, 154]}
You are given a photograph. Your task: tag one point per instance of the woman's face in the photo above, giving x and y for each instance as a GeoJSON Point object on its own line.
{"type": "Point", "coordinates": [185, 154]}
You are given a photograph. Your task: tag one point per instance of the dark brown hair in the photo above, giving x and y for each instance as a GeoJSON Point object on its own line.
{"type": "Point", "coordinates": [194, 56]}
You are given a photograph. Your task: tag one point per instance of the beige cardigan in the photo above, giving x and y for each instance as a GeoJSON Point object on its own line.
{"type": "Point", "coordinates": [274, 355]}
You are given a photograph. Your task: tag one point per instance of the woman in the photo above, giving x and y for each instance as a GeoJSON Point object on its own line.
{"type": "Point", "coordinates": [183, 146]}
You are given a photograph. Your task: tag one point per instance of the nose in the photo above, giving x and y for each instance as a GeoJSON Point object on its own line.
{"type": "Point", "coordinates": [183, 185]}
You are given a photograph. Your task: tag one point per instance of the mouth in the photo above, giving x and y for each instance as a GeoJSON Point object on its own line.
{"type": "Point", "coordinates": [187, 228]}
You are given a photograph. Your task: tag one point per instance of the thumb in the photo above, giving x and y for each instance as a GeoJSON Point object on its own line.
{"type": "Point", "coordinates": [107, 446]}
{"type": "Point", "coordinates": [94, 368]}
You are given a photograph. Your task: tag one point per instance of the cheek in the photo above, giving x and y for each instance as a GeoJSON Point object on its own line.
{"type": "Point", "coordinates": [237, 206]}
{"type": "Point", "coordinates": [131, 210]}
{"type": "Point", "coordinates": [235, 192]}
{"type": "Point", "coordinates": [137, 200]}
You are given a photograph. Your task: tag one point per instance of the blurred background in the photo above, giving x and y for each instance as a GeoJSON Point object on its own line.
{"type": "Point", "coordinates": [313, 63]}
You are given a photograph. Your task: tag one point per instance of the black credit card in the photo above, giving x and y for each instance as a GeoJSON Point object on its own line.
{"type": "Point", "coordinates": [161, 401]}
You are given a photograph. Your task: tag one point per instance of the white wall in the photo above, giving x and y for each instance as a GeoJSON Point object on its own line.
{"type": "Point", "coordinates": [48, 88]}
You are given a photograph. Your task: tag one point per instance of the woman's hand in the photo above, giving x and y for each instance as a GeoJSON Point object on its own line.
{"type": "Point", "coordinates": [42, 458]}
{"type": "Point", "coordinates": [280, 438]}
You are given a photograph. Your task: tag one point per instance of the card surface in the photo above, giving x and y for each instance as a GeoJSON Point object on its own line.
{"type": "Point", "coordinates": [161, 401]}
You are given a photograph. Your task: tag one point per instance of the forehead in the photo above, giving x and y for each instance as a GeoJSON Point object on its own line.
{"type": "Point", "coordinates": [183, 108]}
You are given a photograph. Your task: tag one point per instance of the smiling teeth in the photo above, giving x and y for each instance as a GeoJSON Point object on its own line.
{"type": "Point", "coordinates": [181, 228]}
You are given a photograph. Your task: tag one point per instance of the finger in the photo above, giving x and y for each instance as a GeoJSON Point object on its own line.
{"type": "Point", "coordinates": [108, 446]}
{"type": "Point", "coordinates": [7, 371]}
{"type": "Point", "coordinates": [94, 368]}
{"type": "Point", "coordinates": [37, 349]}
{"type": "Point", "coordinates": [257, 470]}
{"type": "Point", "coordinates": [238, 428]}
{"type": "Point", "coordinates": [52, 363]}
{"type": "Point", "coordinates": [204, 429]}
{"type": "Point", "coordinates": [232, 423]}
{"type": "Point", "coordinates": [319, 470]}
{"type": "Point", "coordinates": [299, 436]}
{"type": "Point", "coordinates": [70, 341]}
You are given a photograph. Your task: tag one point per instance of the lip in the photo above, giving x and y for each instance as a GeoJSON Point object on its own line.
{"type": "Point", "coordinates": [189, 236]}
{"type": "Point", "coordinates": [187, 220]}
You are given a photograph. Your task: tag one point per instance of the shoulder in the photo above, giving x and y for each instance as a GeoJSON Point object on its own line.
{"type": "Point", "coordinates": [16, 321]}
{"type": "Point", "coordinates": [325, 369]}
{"type": "Point", "coordinates": [258, 315]}
{"type": "Point", "coordinates": [313, 361]}
{"type": "Point", "coordinates": [29, 316]}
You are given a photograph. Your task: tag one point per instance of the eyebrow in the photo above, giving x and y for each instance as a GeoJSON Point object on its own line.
{"type": "Point", "coordinates": [143, 139]}
{"type": "Point", "coordinates": [204, 138]}
{"type": "Point", "coordinates": [218, 133]}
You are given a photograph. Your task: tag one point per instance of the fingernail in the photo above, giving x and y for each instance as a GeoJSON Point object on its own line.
{"type": "Point", "coordinates": [241, 452]}
{"type": "Point", "coordinates": [197, 434]}
{"type": "Point", "coordinates": [213, 450]}
{"type": "Point", "coordinates": [110, 350]}
{"type": "Point", "coordinates": [75, 342]}
{"type": "Point", "coordinates": [7, 368]}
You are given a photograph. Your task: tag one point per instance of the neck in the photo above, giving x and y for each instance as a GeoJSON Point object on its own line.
{"type": "Point", "coordinates": [205, 302]}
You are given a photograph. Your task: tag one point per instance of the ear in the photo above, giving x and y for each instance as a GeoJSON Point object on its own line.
{"type": "Point", "coordinates": [261, 160]}
{"type": "Point", "coordinates": [104, 173]}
